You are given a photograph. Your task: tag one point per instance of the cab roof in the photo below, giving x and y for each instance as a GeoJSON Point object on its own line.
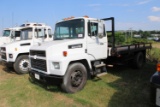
{"type": "Point", "coordinates": [73, 18]}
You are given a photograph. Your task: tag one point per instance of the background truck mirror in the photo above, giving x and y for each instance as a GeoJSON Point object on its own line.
{"type": "Point", "coordinates": [89, 28]}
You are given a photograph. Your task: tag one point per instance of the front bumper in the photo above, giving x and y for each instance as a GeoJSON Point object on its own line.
{"type": "Point", "coordinates": [49, 79]}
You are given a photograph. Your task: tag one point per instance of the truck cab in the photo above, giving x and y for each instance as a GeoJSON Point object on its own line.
{"type": "Point", "coordinates": [80, 44]}
{"type": "Point", "coordinates": [10, 35]}
{"type": "Point", "coordinates": [16, 53]}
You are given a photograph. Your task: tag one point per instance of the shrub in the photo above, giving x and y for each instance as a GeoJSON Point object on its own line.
{"type": "Point", "coordinates": [154, 55]}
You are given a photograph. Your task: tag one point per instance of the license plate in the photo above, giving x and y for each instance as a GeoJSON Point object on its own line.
{"type": "Point", "coordinates": [158, 97]}
{"type": "Point", "coordinates": [37, 76]}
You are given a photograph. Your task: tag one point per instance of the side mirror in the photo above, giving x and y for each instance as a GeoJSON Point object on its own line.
{"type": "Point", "coordinates": [45, 36]}
{"type": "Point", "coordinates": [89, 28]}
{"type": "Point", "coordinates": [100, 30]}
{"type": "Point", "coordinates": [12, 35]}
{"type": "Point", "coordinates": [50, 35]}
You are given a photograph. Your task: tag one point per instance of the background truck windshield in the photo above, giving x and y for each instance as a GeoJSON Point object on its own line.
{"type": "Point", "coordinates": [6, 33]}
{"type": "Point", "coordinates": [69, 29]}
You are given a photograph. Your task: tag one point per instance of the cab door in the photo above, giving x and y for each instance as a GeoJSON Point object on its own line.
{"type": "Point", "coordinates": [96, 41]}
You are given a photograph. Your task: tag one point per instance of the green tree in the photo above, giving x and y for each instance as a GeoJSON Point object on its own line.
{"type": "Point", "coordinates": [146, 34]}
{"type": "Point", "coordinates": [119, 38]}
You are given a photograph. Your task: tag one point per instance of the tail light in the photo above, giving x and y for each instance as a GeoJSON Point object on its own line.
{"type": "Point", "coordinates": [158, 67]}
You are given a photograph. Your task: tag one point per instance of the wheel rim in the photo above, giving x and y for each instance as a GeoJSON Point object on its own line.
{"type": "Point", "coordinates": [76, 78]}
{"type": "Point", "coordinates": [24, 65]}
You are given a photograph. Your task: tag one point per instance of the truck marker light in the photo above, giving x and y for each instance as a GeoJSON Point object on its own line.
{"type": "Point", "coordinates": [69, 18]}
{"type": "Point", "coordinates": [16, 49]}
{"type": "Point", "coordinates": [64, 53]}
{"type": "Point", "coordinates": [158, 67]}
{"type": "Point", "coordinates": [86, 16]}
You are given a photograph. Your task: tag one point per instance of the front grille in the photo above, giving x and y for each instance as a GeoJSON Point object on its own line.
{"type": "Point", "coordinates": [3, 55]}
{"type": "Point", "coordinates": [39, 64]}
{"type": "Point", "coordinates": [3, 49]}
{"type": "Point", "coordinates": [38, 53]}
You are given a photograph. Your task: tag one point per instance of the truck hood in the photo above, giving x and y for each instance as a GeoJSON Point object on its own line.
{"type": "Point", "coordinates": [17, 43]}
{"type": "Point", "coordinates": [46, 45]}
{"type": "Point", "coordinates": [3, 40]}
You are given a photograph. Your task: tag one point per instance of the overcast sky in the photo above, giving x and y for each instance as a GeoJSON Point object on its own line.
{"type": "Point", "coordinates": [135, 14]}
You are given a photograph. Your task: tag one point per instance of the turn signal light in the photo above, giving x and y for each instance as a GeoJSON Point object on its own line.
{"type": "Point", "coordinates": [69, 18]}
{"type": "Point", "coordinates": [158, 67]}
{"type": "Point", "coordinates": [16, 49]}
{"type": "Point", "coordinates": [64, 53]}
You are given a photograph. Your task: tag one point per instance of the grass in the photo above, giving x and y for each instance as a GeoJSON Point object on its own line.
{"type": "Point", "coordinates": [121, 87]}
{"type": "Point", "coordinates": [156, 45]}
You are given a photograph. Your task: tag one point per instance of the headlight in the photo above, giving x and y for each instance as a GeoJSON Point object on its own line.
{"type": "Point", "coordinates": [10, 55]}
{"type": "Point", "coordinates": [56, 65]}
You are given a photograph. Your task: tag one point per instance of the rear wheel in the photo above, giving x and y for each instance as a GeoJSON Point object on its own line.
{"type": "Point", "coordinates": [75, 78]}
{"type": "Point", "coordinates": [138, 60]}
{"type": "Point", "coordinates": [22, 64]}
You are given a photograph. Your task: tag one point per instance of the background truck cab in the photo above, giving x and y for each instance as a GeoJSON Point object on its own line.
{"type": "Point", "coordinates": [9, 35]}
{"type": "Point", "coordinates": [16, 53]}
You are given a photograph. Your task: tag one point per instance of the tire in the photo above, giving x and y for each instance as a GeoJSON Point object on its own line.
{"type": "Point", "coordinates": [75, 78]}
{"type": "Point", "coordinates": [22, 64]}
{"type": "Point", "coordinates": [138, 60]}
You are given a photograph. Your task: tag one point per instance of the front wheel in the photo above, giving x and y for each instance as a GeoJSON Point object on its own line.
{"type": "Point", "coordinates": [22, 64]}
{"type": "Point", "coordinates": [75, 78]}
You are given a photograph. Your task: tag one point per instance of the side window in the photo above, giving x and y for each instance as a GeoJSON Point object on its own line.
{"type": "Point", "coordinates": [101, 30]}
{"type": "Point", "coordinates": [17, 33]}
{"type": "Point", "coordinates": [39, 33]}
{"type": "Point", "coordinates": [93, 29]}
{"type": "Point", "coordinates": [49, 33]}
{"type": "Point", "coordinates": [26, 34]}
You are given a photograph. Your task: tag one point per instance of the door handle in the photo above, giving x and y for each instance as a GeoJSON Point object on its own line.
{"type": "Point", "coordinates": [101, 43]}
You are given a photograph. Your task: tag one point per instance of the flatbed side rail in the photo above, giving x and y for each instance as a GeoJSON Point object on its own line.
{"type": "Point", "coordinates": [130, 48]}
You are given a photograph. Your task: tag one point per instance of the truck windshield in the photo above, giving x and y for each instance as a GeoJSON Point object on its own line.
{"type": "Point", "coordinates": [71, 29]}
{"type": "Point", "coordinates": [26, 34]}
{"type": "Point", "coordinates": [6, 33]}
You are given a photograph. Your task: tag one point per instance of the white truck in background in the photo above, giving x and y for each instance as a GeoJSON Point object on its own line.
{"type": "Point", "coordinates": [81, 49]}
{"type": "Point", "coordinates": [16, 53]}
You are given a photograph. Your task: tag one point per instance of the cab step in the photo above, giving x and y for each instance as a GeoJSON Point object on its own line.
{"type": "Point", "coordinates": [100, 65]}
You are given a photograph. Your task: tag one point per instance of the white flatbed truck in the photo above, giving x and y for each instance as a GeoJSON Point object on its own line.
{"type": "Point", "coordinates": [80, 50]}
